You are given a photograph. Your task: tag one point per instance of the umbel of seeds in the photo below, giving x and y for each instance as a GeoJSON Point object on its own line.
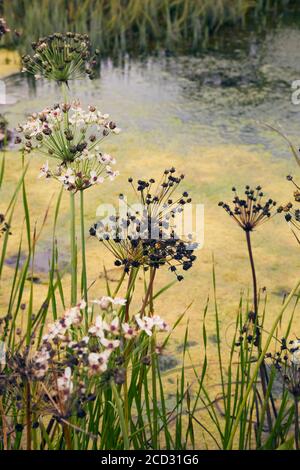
{"type": "Point", "coordinates": [148, 238]}
{"type": "Point", "coordinates": [61, 57]}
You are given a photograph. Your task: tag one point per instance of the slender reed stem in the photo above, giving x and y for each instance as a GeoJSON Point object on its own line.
{"type": "Point", "coordinates": [154, 392]}
{"type": "Point", "coordinates": [67, 436]}
{"type": "Point", "coordinates": [149, 290]}
{"type": "Point", "coordinates": [153, 363]}
{"type": "Point", "coordinates": [296, 423]}
{"type": "Point", "coordinates": [254, 280]}
{"type": "Point", "coordinates": [128, 297]}
{"type": "Point", "coordinates": [262, 369]}
{"type": "Point", "coordinates": [84, 289]}
{"type": "Point", "coordinates": [4, 425]}
{"type": "Point", "coordinates": [73, 250]}
{"type": "Point", "coordinates": [121, 416]}
{"type": "Point", "coordinates": [28, 416]}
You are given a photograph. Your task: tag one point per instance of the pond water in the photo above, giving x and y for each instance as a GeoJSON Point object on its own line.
{"type": "Point", "coordinates": [204, 115]}
{"type": "Point", "coordinates": [216, 97]}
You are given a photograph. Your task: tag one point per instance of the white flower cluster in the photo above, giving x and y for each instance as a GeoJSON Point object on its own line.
{"type": "Point", "coordinates": [112, 334]}
{"type": "Point", "coordinates": [295, 348]}
{"type": "Point", "coordinates": [71, 135]}
{"type": "Point", "coordinates": [88, 170]}
{"type": "Point", "coordinates": [73, 116]}
{"type": "Point", "coordinates": [109, 332]}
{"type": "Point", "coordinates": [60, 328]}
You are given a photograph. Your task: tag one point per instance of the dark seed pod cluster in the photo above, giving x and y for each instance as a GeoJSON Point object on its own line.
{"type": "Point", "coordinates": [4, 227]}
{"type": "Point", "coordinates": [147, 238]}
{"type": "Point", "coordinates": [5, 134]}
{"type": "Point", "coordinates": [291, 212]}
{"type": "Point", "coordinates": [250, 210]}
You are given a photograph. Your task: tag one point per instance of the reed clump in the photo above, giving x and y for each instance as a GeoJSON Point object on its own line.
{"type": "Point", "coordinates": [119, 25]}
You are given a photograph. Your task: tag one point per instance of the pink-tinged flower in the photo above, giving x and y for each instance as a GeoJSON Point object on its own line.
{"type": "Point", "coordinates": [98, 362]}
{"type": "Point", "coordinates": [55, 330]}
{"type": "Point", "coordinates": [41, 362]}
{"type": "Point", "coordinates": [104, 302]}
{"type": "Point", "coordinates": [45, 171]}
{"type": "Point", "coordinates": [110, 344]}
{"type": "Point", "coordinates": [129, 331]}
{"type": "Point", "coordinates": [111, 174]}
{"type": "Point", "coordinates": [113, 327]}
{"type": "Point", "coordinates": [81, 305]}
{"type": "Point", "coordinates": [106, 159]}
{"type": "Point", "coordinates": [95, 178]}
{"type": "Point", "coordinates": [160, 323]}
{"type": "Point", "coordinates": [98, 328]}
{"type": "Point", "coordinates": [72, 136]}
{"type": "Point", "coordinates": [68, 179]}
{"type": "Point", "coordinates": [65, 384]}
{"type": "Point", "coordinates": [73, 316]}
{"type": "Point", "coordinates": [145, 324]}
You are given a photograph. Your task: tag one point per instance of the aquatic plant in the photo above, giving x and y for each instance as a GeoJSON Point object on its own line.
{"type": "Point", "coordinates": [72, 136]}
{"type": "Point", "coordinates": [292, 214]}
{"type": "Point", "coordinates": [93, 377]}
{"type": "Point", "coordinates": [286, 362]}
{"type": "Point", "coordinates": [61, 57]}
{"type": "Point", "coordinates": [249, 212]}
{"type": "Point", "coordinates": [147, 237]}
{"type": "Point", "coordinates": [58, 378]}
{"type": "Point", "coordinates": [68, 133]}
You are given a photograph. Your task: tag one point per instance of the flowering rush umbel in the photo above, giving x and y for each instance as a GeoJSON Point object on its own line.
{"type": "Point", "coordinates": [72, 136]}
{"type": "Point", "coordinates": [66, 361]}
{"type": "Point", "coordinates": [147, 238]}
{"type": "Point", "coordinates": [250, 210]}
{"type": "Point", "coordinates": [61, 57]}
{"type": "Point", "coordinates": [291, 211]}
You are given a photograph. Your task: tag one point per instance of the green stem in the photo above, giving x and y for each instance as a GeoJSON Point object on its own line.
{"type": "Point", "coordinates": [154, 392]}
{"type": "Point", "coordinates": [262, 369]}
{"type": "Point", "coordinates": [149, 292]}
{"type": "Point", "coordinates": [297, 423]}
{"type": "Point", "coordinates": [121, 416]}
{"type": "Point", "coordinates": [28, 416]}
{"type": "Point", "coordinates": [84, 289]}
{"type": "Point", "coordinates": [153, 362]}
{"type": "Point", "coordinates": [67, 436]}
{"type": "Point", "coordinates": [73, 250]}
